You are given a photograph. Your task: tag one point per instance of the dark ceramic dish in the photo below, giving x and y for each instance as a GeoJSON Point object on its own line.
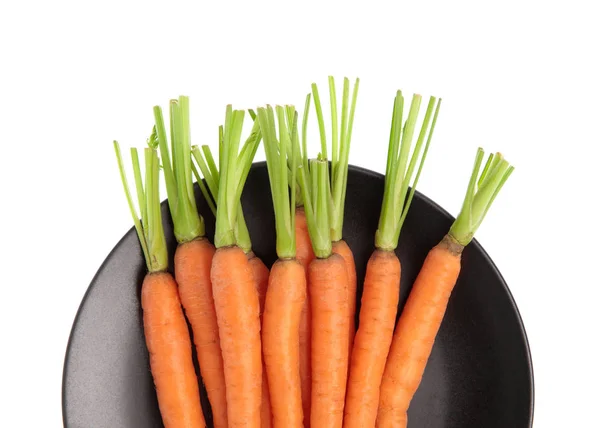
{"type": "Point", "coordinates": [479, 374]}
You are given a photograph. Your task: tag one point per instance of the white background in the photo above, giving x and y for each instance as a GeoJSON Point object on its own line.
{"type": "Point", "coordinates": [516, 76]}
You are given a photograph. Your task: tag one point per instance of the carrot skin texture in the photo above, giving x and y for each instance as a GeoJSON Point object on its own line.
{"type": "Point", "coordinates": [261, 278]}
{"type": "Point", "coordinates": [342, 248]}
{"type": "Point", "coordinates": [379, 305]}
{"type": "Point", "coordinates": [304, 255]}
{"type": "Point", "coordinates": [170, 349]}
{"type": "Point", "coordinates": [328, 282]}
{"type": "Point", "coordinates": [415, 334]}
{"type": "Point", "coordinates": [286, 295]}
{"type": "Point", "coordinates": [192, 271]}
{"type": "Point", "coordinates": [237, 306]}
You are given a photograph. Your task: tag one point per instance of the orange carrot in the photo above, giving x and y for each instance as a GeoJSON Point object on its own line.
{"type": "Point", "coordinates": [194, 254]}
{"type": "Point", "coordinates": [192, 269]}
{"type": "Point", "coordinates": [260, 274]}
{"type": "Point", "coordinates": [328, 294]}
{"type": "Point", "coordinates": [426, 305]}
{"type": "Point", "coordinates": [339, 176]}
{"type": "Point", "coordinates": [165, 329]}
{"type": "Point", "coordinates": [305, 255]}
{"type": "Point", "coordinates": [236, 302]}
{"type": "Point", "coordinates": [327, 282]}
{"type": "Point", "coordinates": [372, 341]}
{"type": "Point", "coordinates": [381, 287]}
{"type": "Point", "coordinates": [286, 293]}
{"type": "Point", "coordinates": [210, 172]}
{"type": "Point", "coordinates": [285, 297]}
{"type": "Point", "coordinates": [234, 287]}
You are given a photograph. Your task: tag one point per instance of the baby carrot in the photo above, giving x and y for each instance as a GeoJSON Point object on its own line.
{"type": "Point", "coordinates": [234, 287]}
{"type": "Point", "coordinates": [165, 329]}
{"type": "Point", "coordinates": [208, 167]}
{"type": "Point", "coordinates": [340, 143]}
{"type": "Point", "coordinates": [327, 284]}
{"type": "Point", "coordinates": [194, 253]}
{"type": "Point", "coordinates": [286, 292]}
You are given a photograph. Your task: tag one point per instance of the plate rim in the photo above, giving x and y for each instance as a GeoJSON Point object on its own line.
{"type": "Point", "coordinates": [428, 201]}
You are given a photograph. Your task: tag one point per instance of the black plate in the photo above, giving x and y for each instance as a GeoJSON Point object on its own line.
{"type": "Point", "coordinates": [479, 374]}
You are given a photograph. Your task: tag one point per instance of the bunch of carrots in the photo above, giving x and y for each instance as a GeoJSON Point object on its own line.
{"type": "Point", "coordinates": [279, 347]}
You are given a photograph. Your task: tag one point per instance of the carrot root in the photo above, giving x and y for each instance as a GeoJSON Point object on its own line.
{"type": "Point", "coordinates": [260, 272]}
{"type": "Point", "coordinates": [285, 297]}
{"type": "Point", "coordinates": [304, 255]}
{"type": "Point", "coordinates": [237, 307]}
{"type": "Point", "coordinates": [328, 281]}
{"type": "Point", "coordinates": [379, 305]}
{"type": "Point", "coordinates": [170, 349]}
{"type": "Point", "coordinates": [416, 331]}
{"type": "Point", "coordinates": [193, 261]}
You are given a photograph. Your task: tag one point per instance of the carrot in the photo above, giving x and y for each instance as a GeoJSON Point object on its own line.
{"type": "Point", "coordinates": [327, 285]}
{"type": "Point", "coordinates": [305, 255]}
{"type": "Point", "coordinates": [194, 253]}
{"type": "Point", "coordinates": [381, 287]}
{"type": "Point", "coordinates": [165, 329]}
{"type": "Point", "coordinates": [286, 293]}
{"type": "Point", "coordinates": [339, 175]}
{"type": "Point", "coordinates": [260, 272]}
{"type": "Point", "coordinates": [424, 310]}
{"type": "Point", "coordinates": [234, 287]}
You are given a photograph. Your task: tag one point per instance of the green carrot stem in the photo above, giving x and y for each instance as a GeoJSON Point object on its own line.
{"type": "Point", "coordinates": [232, 175]}
{"type": "Point", "coordinates": [340, 148]}
{"type": "Point", "coordinates": [151, 236]}
{"type": "Point", "coordinates": [210, 172]}
{"type": "Point", "coordinates": [481, 192]}
{"type": "Point", "coordinates": [177, 168]}
{"type": "Point", "coordinates": [276, 153]}
{"type": "Point", "coordinates": [400, 166]}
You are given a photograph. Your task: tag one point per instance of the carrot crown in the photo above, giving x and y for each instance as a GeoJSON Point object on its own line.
{"type": "Point", "coordinates": [233, 171]}
{"type": "Point", "coordinates": [313, 179]}
{"type": "Point", "coordinates": [150, 229]}
{"type": "Point", "coordinates": [277, 164]}
{"type": "Point", "coordinates": [188, 224]}
{"type": "Point", "coordinates": [210, 172]}
{"type": "Point", "coordinates": [340, 148]}
{"type": "Point", "coordinates": [400, 167]}
{"type": "Point", "coordinates": [481, 193]}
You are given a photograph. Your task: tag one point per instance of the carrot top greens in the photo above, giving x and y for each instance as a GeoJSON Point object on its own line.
{"type": "Point", "coordinates": [481, 193]}
{"type": "Point", "coordinates": [150, 229]}
{"type": "Point", "coordinates": [276, 152]}
{"type": "Point", "coordinates": [400, 169]}
{"type": "Point", "coordinates": [210, 172]}
{"type": "Point", "coordinates": [232, 173]}
{"type": "Point", "coordinates": [340, 148]}
{"type": "Point", "coordinates": [188, 224]}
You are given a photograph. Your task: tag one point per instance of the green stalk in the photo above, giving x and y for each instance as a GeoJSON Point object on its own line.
{"type": "Point", "coordinates": [400, 167]}
{"type": "Point", "coordinates": [277, 165]}
{"type": "Point", "coordinates": [210, 172]}
{"type": "Point", "coordinates": [149, 230]}
{"type": "Point", "coordinates": [340, 149]}
{"type": "Point", "coordinates": [481, 192]}
{"type": "Point", "coordinates": [231, 228]}
{"type": "Point", "coordinates": [177, 169]}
